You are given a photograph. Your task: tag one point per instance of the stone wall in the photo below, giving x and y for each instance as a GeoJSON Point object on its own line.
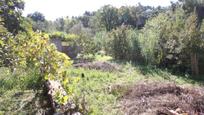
{"type": "Point", "coordinates": [57, 43]}
{"type": "Point", "coordinates": [71, 51]}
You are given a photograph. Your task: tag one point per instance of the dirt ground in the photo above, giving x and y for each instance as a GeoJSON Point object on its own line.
{"type": "Point", "coordinates": [163, 99]}
{"type": "Point", "coordinates": [98, 65]}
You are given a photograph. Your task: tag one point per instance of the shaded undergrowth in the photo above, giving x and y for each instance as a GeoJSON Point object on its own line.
{"type": "Point", "coordinates": [21, 92]}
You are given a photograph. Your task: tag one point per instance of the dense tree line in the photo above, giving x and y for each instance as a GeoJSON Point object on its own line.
{"type": "Point", "coordinates": [169, 37]}
{"type": "Point", "coordinates": [106, 18]}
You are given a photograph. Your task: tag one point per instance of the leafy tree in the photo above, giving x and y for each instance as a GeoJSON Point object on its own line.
{"type": "Point", "coordinates": [108, 17]}
{"type": "Point", "coordinates": [64, 24]}
{"type": "Point", "coordinates": [120, 43]}
{"type": "Point", "coordinates": [87, 44]}
{"type": "Point", "coordinates": [149, 38]}
{"type": "Point", "coordinates": [124, 45]}
{"type": "Point", "coordinates": [37, 16]}
{"type": "Point", "coordinates": [76, 29]}
{"type": "Point", "coordinates": [124, 15]}
{"type": "Point", "coordinates": [61, 24]}
{"type": "Point", "coordinates": [7, 55]}
{"type": "Point", "coordinates": [85, 19]}
{"type": "Point", "coordinates": [10, 12]}
{"type": "Point", "coordinates": [172, 39]}
{"type": "Point", "coordinates": [194, 41]}
{"type": "Point", "coordinates": [39, 22]}
{"type": "Point", "coordinates": [194, 9]}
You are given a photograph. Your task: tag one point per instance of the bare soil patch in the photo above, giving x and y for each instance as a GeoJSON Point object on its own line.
{"type": "Point", "coordinates": [98, 65]}
{"type": "Point", "coordinates": [163, 99]}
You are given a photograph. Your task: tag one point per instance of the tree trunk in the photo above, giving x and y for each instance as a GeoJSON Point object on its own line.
{"type": "Point", "coordinates": [194, 64]}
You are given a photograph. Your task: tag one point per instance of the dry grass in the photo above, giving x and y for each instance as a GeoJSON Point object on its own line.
{"type": "Point", "coordinates": [160, 98]}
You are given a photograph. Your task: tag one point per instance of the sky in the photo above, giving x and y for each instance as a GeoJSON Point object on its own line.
{"type": "Point", "coordinates": [53, 9]}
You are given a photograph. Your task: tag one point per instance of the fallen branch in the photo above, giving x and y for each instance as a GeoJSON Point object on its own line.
{"type": "Point", "coordinates": [54, 87]}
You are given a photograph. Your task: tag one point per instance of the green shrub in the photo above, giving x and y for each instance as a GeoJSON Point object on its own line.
{"type": "Point", "coordinates": [63, 36]}
{"type": "Point", "coordinates": [169, 39]}
{"type": "Point", "coordinates": [33, 50]}
{"type": "Point", "coordinates": [101, 39]}
{"type": "Point", "coordinates": [124, 45]}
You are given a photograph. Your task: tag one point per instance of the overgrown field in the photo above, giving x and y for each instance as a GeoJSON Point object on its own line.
{"type": "Point", "coordinates": [20, 94]}
{"type": "Point", "coordinates": [99, 91]}
{"type": "Point", "coordinates": [84, 64]}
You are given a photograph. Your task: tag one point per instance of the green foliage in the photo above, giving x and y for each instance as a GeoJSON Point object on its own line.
{"type": "Point", "coordinates": [83, 41]}
{"type": "Point", "coordinates": [7, 55]}
{"type": "Point", "coordinates": [124, 45]}
{"type": "Point", "coordinates": [169, 39]}
{"type": "Point", "coordinates": [40, 26]}
{"type": "Point", "coordinates": [64, 24]}
{"type": "Point", "coordinates": [20, 92]}
{"type": "Point", "coordinates": [23, 80]}
{"type": "Point", "coordinates": [101, 39]}
{"type": "Point", "coordinates": [108, 17]}
{"type": "Point", "coordinates": [52, 64]}
{"type": "Point", "coordinates": [39, 23]}
{"type": "Point", "coordinates": [193, 34]}
{"type": "Point", "coordinates": [33, 50]}
{"type": "Point", "coordinates": [190, 5]}
{"type": "Point", "coordinates": [93, 90]}
{"type": "Point", "coordinates": [85, 19]}
{"type": "Point", "coordinates": [149, 38]}
{"type": "Point", "coordinates": [64, 37]}
{"type": "Point", "coordinates": [120, 43]}
{"type": "Point", "coordinates": [37, 16]}
{"type": "Point", "coordinates": [101, 91]}
{"type": "Point", "coordinates": [87, 44]}
{"type": "Point", "coordinates": [10, 12]}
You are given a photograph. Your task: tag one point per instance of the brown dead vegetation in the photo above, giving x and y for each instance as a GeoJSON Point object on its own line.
{"type": "Point", "coordinates": [163, 99]}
